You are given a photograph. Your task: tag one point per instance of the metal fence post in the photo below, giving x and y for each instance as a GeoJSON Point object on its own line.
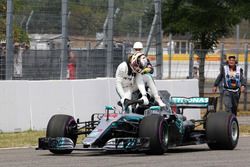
{"type": "Point", "coordinates": [169, 55]}
{"type": "Point", "coordinates": [109, 65]}
{"type": "Point", "coordinates": [9, 40]}
{"type": "Point", "coordinates": [124, 52]}
{"type": "Point", "coordinates": [140, 29]}
{"type": "Point", "coordinates": [153, 26]}
{"type": "Point", "coordinates": [89, 63]}
{"type": "Point", "coordinates": [245, 75]}
{"type": "Point", "coordinates": [222, 57]}
{"type": "Point", "coordinates": [237, 40]}
{"type": "Point", "coordinates": [159, 52]}
{"type": "Point", "coordinates": [28, 21]}
{"type": "Point", "coordinates": [64, 52]}
{"type": "Point", "coordinates": [191, 61]}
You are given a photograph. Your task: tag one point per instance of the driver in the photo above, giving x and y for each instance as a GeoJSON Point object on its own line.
{"type": "Point", "coordinates": [138, 47]}
{"type": "Point", "coordinates": [130, 77]}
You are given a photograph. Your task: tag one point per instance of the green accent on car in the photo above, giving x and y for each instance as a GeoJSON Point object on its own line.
{"type": "Point", "coordinates": [155, 108]}
{"type": "Point", "coordinates": [114, 124]}
{"type": "Point", "coordinates": [191, 100]}
{"type": "Point", "coordinates": [179, 124]}
{"type": "Point", "coordinates": [133, 117]}
{"type": "Point", "coordinates": [109, 108]}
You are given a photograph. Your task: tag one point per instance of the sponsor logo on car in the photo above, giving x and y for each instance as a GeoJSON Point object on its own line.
{"type": "Point", "coordinates": [111, 115]}
{"type": "Point", "coordinates": [192, 100]}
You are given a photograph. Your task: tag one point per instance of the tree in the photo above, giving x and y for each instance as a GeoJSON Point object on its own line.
{"type": "Point", "coordinates": [244, 8]}
{"type": "Point", "coordinates": [2, 19]}
{"type": "Point", "coordinates": [206, 22]}
{"type": "Point", "coordinates": [87, 17]}
{"type": "Point", "coordinates": [131, 12]}
{"type": "Point", "coordinates": [20, 36]}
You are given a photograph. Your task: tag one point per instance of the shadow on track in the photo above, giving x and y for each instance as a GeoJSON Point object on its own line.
{"type": "Point", "coordinates": [179, 150]}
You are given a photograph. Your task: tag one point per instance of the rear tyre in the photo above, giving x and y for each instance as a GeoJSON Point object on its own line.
{"type": "Point", "coordinates": [62, 126]}
{"type": "Point", "coordinates": [222, 131]}
{"type": "Point", "coordinates": [155, 128]}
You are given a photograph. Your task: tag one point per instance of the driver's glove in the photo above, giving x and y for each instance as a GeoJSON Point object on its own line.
{"type": "Point", "coordinates": [125, 107]}
{"type": "Point", "coordinates": [145, 100]}
{"type": "Point", "coordinates": [146, 70]}
{"type": "Point", "coordinates": [123, 102]}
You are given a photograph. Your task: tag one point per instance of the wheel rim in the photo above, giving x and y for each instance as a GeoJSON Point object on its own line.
{"type": "Point", "coordinates": [69, 130]}
{"type": "Point", "coordinates": [234, 130]}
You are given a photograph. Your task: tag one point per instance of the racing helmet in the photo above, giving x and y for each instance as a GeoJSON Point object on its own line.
{"type": "Point", "coordinates": [138, 45]}
{"type": "Point", "coordinates": [138, 62]}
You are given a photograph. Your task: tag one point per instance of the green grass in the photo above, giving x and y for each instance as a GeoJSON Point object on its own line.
{"type": "Point", "coordinates": [243, 113]}
{"type": "Point", "coordinates": [30, 138]}
{"type": "Point", "coordinates": [20, 139]}
{"type": "Point", "coordinates": [244, 129]}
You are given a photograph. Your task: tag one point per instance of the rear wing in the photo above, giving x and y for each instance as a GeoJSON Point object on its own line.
{"type": "Point", "coordinates": [194, 102]}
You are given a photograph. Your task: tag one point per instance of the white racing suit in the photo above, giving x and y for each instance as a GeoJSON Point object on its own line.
{"type": "Point", "coordinates": [127, 82]}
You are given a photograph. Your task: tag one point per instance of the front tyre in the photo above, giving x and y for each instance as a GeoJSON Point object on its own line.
{"type": "Point", "coordinates": [222, 131]}
{"type": "Point", "coordinates": [62, 126]}
{"type": "Point", "coordinates": [155, 128]}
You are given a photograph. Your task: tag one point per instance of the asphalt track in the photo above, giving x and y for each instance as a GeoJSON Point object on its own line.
{"type": "Point", "coordinates": [188, 156]}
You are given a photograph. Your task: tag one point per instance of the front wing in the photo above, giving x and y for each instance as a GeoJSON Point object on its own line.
{"type": "Point", "coordinates": [115, 144]}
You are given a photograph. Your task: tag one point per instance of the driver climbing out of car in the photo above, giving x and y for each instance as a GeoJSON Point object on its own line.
{"type": "Point", "coordinates": [147, 70]}
{"type": "Point", "coordinates": [130, 77]}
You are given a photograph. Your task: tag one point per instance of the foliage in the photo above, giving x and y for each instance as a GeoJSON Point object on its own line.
{"type": "Point", "coordinates": [20, 35]}
{"type": "Point", "coordinates": [244, 8]}
{"type": "Point", "coordinates": [130, 14]}
{"type": "Point", "coordinates": [2, 19]}
{"type": "Point", "coordinates": [206, 22]}
{"type": "Point", "coordinates": [46, 16]}
{"type": "Point", "coordinates": [86, 17]}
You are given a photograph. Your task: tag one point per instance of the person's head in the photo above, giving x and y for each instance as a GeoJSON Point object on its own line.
{"type": "Point", "coordinates": [138, 46]}
{"type": "Point", "coordinates": [72, 58]}
{"type": "Point", "coordinates": [232, 61]}
{"type": "Point", "coordinates": [138, 62]}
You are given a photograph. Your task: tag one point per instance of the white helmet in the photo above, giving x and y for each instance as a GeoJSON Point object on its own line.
{"type": "Point", "coordinates": [138, 62]}
{"type": "Point", "coordinates": [138, 45]}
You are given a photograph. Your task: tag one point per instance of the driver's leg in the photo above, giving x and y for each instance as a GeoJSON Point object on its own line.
{"type": "Point", "coordinates": [147, 78]}
{"type": "Point", "coordinates": [127, 95]}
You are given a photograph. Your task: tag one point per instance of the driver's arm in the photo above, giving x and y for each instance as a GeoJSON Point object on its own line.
{"type": "Point", "coordinates": [120, 72]}
{"type": "Point", "coordinates": [148, 69]}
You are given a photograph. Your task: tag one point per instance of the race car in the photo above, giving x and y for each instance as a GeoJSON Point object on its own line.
{"type": "Point", "coordinates": [149, 129]}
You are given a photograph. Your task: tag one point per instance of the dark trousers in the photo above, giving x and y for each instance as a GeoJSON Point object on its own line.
{"type": "Point", "coordinates": [2, 67]}
{"type": "Point", "coordinates": [231, 101]}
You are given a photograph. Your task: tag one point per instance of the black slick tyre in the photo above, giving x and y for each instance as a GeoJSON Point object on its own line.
{"type": "Point", "coordinates": [155, 128]}
{"type": "Point", "coordinates": [222, 131]}
{"type": "Point", "coordinates": [61, 126]}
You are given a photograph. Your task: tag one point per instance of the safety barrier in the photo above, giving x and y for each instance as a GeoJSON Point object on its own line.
{"type": "Point", "coordinates": [28, 105]}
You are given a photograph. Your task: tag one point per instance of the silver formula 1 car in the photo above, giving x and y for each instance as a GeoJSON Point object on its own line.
{"type": "Point", "coordinates": [149, 129]}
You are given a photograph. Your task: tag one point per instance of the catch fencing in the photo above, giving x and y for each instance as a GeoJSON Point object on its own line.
{"type": "Point", "coordinates": [80, 39]}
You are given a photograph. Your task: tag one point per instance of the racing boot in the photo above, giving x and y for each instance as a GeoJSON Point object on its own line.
{"type": "Point", "coordinates": [159, 101]}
